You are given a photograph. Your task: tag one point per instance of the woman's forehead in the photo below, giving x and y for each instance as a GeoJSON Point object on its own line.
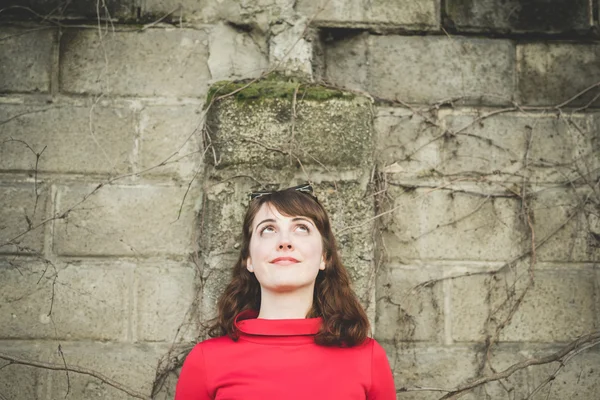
{"type": "Point", "coordinates": [269, 211]}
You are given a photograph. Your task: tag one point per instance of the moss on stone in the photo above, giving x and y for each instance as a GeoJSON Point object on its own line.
{"type": "Point", "coordinates": [274, 87]}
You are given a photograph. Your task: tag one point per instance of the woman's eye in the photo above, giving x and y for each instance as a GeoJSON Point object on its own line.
{"type": "Point", "coordinates": [267, 229]}
{"type": "Point", "coordinates": [303, 228]}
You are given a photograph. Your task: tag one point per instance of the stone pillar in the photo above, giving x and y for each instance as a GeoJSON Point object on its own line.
{"type": "Point", "coordinates": [276, 134]}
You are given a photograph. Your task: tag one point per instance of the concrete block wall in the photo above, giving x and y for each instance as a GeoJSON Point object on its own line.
{"type": "Point", "coordinates": [467, 128]}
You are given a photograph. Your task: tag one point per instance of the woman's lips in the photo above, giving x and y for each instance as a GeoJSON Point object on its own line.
{"type": "Point", "coordinates": [284, 261]}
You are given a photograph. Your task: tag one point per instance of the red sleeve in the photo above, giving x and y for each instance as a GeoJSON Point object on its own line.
{"type": "Point", "coordinates": [382, 380]}
{"type": "Point", "coordinates": [192, 383]}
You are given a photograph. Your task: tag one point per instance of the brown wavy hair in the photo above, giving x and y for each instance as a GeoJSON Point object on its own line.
{"type": "Point", "coordinates": [345, 322]}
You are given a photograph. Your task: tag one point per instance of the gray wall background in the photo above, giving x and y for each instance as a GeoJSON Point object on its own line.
{"type": "Point", "coordinates": [460, 168]}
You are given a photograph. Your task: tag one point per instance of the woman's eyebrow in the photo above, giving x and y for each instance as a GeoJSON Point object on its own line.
{"type": "Point", "coordinates": [303, 219]}
{"type": "Point", "coordinates": [265, 220]}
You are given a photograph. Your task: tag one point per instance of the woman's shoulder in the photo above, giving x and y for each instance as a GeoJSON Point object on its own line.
{"type": "Point", "coordinates": [215, 342]}
{"type": "Point", "coordinates": [209, 346]}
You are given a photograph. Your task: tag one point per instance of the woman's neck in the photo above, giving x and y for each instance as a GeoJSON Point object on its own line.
{"type": "Point", "coordinates": [286, 305]}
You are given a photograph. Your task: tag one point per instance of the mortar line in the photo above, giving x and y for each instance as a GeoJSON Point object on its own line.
{"type": "Point", "coordinates": [447, 313]}
{"type": "Point", "coordinates": [55, 64]}
{"type": "Point", "coordinates": [50, 207]}
{"type": "Point", "coordinates": [132, 307]}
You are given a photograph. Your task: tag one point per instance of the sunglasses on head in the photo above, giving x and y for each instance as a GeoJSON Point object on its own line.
{"type": "Point", "coordinates": [305, 188]}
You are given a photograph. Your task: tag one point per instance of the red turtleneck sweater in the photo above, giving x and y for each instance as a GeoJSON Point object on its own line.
{"type": "Point", "coordinates": [279, 360]}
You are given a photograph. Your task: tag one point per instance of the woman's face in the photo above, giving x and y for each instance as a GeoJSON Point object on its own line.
{"type": "Point", "coordinates": [286, 252]}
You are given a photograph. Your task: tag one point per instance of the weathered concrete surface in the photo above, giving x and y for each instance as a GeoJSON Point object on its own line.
{"type": "Point", "coordinates": [275, 132]}
{"type": "Point", "coordinates": [552, 73]}
{"type": "Point", "coordinates": [22, 210]}
{"type": "Point", "coordinates": [432, 367]}
{"type": "Point", "coordinates": [129, 270]}
{"type": "Point", "coordinates": [408, 308]}
{"type": "Point", "coordinates": [69, 139]}
{"type": "Point", "coordinates": [480, 303]}
{"type": "Point", "coordinates": [20, 381]}
{"type": "Point", "coordinates": [579, 378]}
{"type": "Point", "coordinates": [25, 302]}
{"type": "Point", "coordinates": [420, 14]}
{"type": "Point", "coordinates": [77, 301]}
{"type": "Point", "coordinates": [290, 51]}
{"type": "Point", "coordinates": [432, 68]}
{"type": "Point", "coordinates": [125, 220]}
{"type": "Point", "coordinates": [164, 295]}
{"type": "Point", "coordinates": [350, 206]}
{"type": "Point", "coordinates": [170, 141]}
{"type": "Point", "coordinates": [258, 14]}
{"type": "Point", "coordinates": [505, 147]}
{"type": "Point", "coordinates": [448, 224]}
{"type": "Point", "coordinates": [567, 219]}
{"type": "Point", "coordinates": [554, 16]}
{"type": "Point", "coordinates": [56, 9]}
{"type": "Point", "coordinates": [130, 365]}
{"type": "Point", "coordinates": [128, 63]}
{"type": "Point", "coordinates": [235, 54]}
{"type": "Point", "coordinates": [26, 59]}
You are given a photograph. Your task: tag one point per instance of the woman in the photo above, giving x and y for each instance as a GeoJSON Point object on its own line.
{"type": "Point", "coordinates": [289, 325]}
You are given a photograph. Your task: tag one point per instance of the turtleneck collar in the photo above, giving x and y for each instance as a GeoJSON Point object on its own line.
{"type": "Point", "coordinates": [248, 324]}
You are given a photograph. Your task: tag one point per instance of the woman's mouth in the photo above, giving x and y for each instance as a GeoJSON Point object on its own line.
{"type": "Point", "coordinates": [284, 261]}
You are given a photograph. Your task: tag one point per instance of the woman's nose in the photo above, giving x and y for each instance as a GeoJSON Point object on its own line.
{"type": "Point", "coordinates": [285, 244]}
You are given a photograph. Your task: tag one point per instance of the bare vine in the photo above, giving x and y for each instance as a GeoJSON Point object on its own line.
{"type": "Point", "coordinates": [174, 358]}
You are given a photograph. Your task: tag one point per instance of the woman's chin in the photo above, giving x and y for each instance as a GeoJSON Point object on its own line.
{"type": "Point", "coordinates": [287, 286]}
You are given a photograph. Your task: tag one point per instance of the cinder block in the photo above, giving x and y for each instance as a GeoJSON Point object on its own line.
{"type": "Point", "coordinates": [133, 366]}
{"type": "Point", "coordinates": [517, 385]}
{"type": "Point", "coordinates": [559, 307]}
{"type": "Point", "coordinates": [223, 211]}
{"type": "Point", "coordinates": [93, 302]}
{"type": "Point", "coordinates": [447, 224]}
{"type": "Point", "coordinates": [432, 367]}
{"type": "Point", "coordinates": [215, 282]}
{"type": "Point", "coordinates": [155, 62]}
{"type": "Point", "coordinates": [555, 16]}
{"type": "Point", "coordinates": [433, 68]}
{"type": "Point", "coordinates": [267, 133]}
{"type": "Point", "coordinates": [22, 212]}
{"type": "Point", "coordinates": [336, 11]}
{"type": "Point", "coordinates": [21, 381]}
{"type": "Point", "coordinates": [259, 14]}
{"type": "Point", "coordinates": [170, 141]}
{"type": "Point", "coordinates": [406, 142]}
{"type": "Point", "coordinates": [43, 300]}
{"type": "Point", "coordinates": [125, 220]}
{"type": "Point", "coordinates": [552, 73]}
{"type": "Point", "coordinates": [164, 303]}
{"type": "Point", "coordinates": [421, 14]}
{"type": "Point", "coordinates": [69, 139]}
{"type": "Point", "coordinates": [338, 61]}
{"type": "Point", "coordinates": [26, 293]}
{"type": "Point", "coordinates": [291, 52]}
{"type": "Point", "coordinates": [471, 302]}
{"type": "Point", "coordinates": [60, 9]}
{"type": "Point", "coordinates": [409, 309]}
{"type": "Point", "coordinates": [580, 377]}
{"type": "Point", "coordinates": [26, 59]}
{"type": "Point", "coordinates": [513, 146]}
{"type": "Point", "coordinates": [566, 221]}
{"type": "Point", "coordinates": [235, 54]}
{"type": "Point", "coordinates": [506, 147]}
{"type": "Point", "coordinates": [351, 208]}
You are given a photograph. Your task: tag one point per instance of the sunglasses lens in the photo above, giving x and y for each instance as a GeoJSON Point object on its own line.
{"type": "Point", "coordinates": [306, 188]}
